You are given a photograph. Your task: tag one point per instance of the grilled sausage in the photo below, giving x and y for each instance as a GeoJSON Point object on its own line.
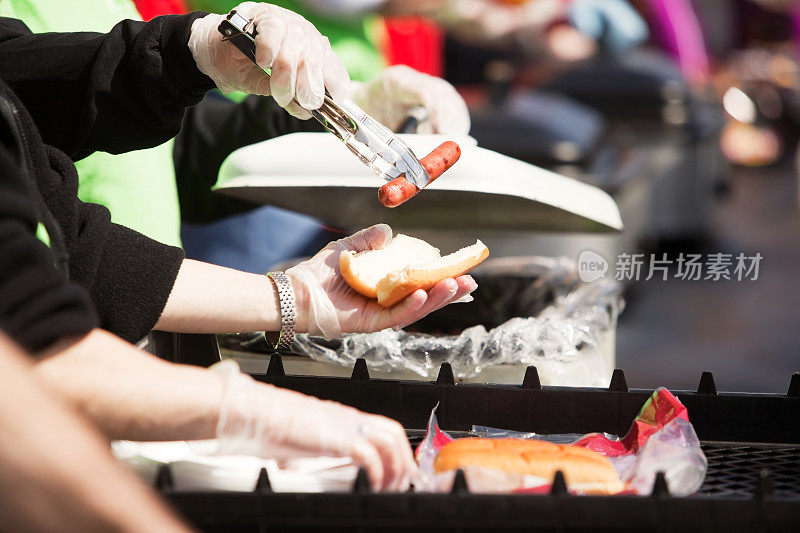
{"type": "Point", "coordinates": [435, 163]}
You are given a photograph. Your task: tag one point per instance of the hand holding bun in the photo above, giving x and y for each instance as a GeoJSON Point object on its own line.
{"type": "Point", "coordinates": [327, 306]}
{"type": "Point", "coordinates": [405, 265]}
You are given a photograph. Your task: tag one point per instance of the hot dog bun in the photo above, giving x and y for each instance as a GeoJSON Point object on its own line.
{"type": "Point", "coordinates": [403, 266]}
{"type": "Point", "coordinates": [584, 470]}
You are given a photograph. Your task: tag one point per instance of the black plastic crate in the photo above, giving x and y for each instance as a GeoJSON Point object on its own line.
{"type": "Point", "coordinates": [752, 442]}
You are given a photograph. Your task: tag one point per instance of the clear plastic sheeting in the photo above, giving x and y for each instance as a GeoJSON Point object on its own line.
{"type": "Point", "coordinates": [570, 340]}
{"type": "Point", "coordinates": [674, 450]}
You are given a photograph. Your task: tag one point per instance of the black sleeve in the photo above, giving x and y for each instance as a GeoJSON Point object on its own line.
{"type": "Point", "coordinates": [38, 305]}
{"type": "Point", "coordinates": [113, 92]}
{"type": "Point", "coordinates": [135, 276]}
{"type": "Point", "coordinates": [211, 131]}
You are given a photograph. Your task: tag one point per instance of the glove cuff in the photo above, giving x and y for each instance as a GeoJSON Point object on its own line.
{"type": "Point", "coordinates": [322, 318]}
{"type": "Point", "coordinates": [357, 93]}
{"type": "Point", "coordinates": [234, 432]}
{"type": "Point", "coordinates": [205, 43]}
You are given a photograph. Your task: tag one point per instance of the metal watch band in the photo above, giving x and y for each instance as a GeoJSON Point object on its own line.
{"type": "Point", "coordinates": [288, 309]}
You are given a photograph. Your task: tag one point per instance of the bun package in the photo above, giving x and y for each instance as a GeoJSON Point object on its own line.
{"type": "Point", "coordinates": [661, 439]}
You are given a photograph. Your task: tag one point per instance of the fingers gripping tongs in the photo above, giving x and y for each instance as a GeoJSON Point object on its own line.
{"type": "Point", "coordinates": [372, 142]}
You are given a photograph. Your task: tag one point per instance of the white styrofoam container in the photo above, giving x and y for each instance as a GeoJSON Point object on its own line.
{"type": "Point", "coordinates": [191, 470]}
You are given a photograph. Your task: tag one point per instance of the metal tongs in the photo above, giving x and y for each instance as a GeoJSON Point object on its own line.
{"type": "Point", "coordinates": [369, 140]}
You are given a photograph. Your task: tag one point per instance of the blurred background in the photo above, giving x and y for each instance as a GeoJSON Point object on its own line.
{"type": "Point", "coordinates": [702, 105]}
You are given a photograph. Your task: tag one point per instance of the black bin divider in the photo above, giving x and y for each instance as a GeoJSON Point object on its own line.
{"type": "Point", "coordinates": [739, 417]}
{"type": "Point", "coordinates": [466, 511]}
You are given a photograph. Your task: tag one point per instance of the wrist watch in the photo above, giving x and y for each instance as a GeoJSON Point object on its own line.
{"type": "Point", "coordinates": [288, 310]}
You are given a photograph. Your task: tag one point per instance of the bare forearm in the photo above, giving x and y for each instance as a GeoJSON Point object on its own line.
{"type": "Point", "coordinates": [212, 299]}
{"type": "Point", "coordinates": [56, 473]}
{"type": "Point", "coordinates": [131, 394]}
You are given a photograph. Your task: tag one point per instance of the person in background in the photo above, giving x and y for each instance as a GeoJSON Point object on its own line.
{"type": "Point", "coordinates": [66, 269]}
{"type": "Point", "coordinates": [56, 472]}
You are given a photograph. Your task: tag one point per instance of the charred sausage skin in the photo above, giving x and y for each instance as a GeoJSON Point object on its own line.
{"type": "Point", "coordinates": [400, 190]}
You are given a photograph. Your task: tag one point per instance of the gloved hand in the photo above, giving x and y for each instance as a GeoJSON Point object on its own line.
{"type": "Point", "coordinates": [395, 92]}
{"type": "Point", "coordinates": [302, 61]}
{"type": "Point", "coordinates": [327, 306]}
{"type": "Point", "coordinates": [266, 421]}
{"type": "Point", "coordinates": [625, 28]}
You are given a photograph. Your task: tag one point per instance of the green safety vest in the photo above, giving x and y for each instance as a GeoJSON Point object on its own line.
{"type": "Point", "coordinates": [138, 187]}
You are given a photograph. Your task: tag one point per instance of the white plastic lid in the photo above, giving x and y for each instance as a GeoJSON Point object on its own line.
{"type": "Point", "coordinates": [312, 173]}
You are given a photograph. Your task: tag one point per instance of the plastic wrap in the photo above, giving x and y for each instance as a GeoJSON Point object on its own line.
{"type": "Point", "coordinates": [570, 340]}
{"type": "Point", "coordinates": [661, 439]}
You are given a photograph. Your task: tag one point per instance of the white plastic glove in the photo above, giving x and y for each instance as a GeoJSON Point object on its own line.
{"type": "Point", "coordinates": [328, 307]}
{"type": "Point", "coordinates": [269, 422]}
{"type": "Point", "coordinates": [302, 61]}
{"type": "Point", "coordinates": [395, 92]}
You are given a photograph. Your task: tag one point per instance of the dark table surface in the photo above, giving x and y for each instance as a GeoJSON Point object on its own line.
{"type": "Point", "coordinates": [746, 332]}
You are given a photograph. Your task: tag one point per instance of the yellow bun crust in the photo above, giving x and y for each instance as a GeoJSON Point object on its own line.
{"type": "Point", "coordinates": [584, 470]}
{"type": "Point", "coordinates": [403, 266]}
{"type": "Point", "coordinates": [351, 277]}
